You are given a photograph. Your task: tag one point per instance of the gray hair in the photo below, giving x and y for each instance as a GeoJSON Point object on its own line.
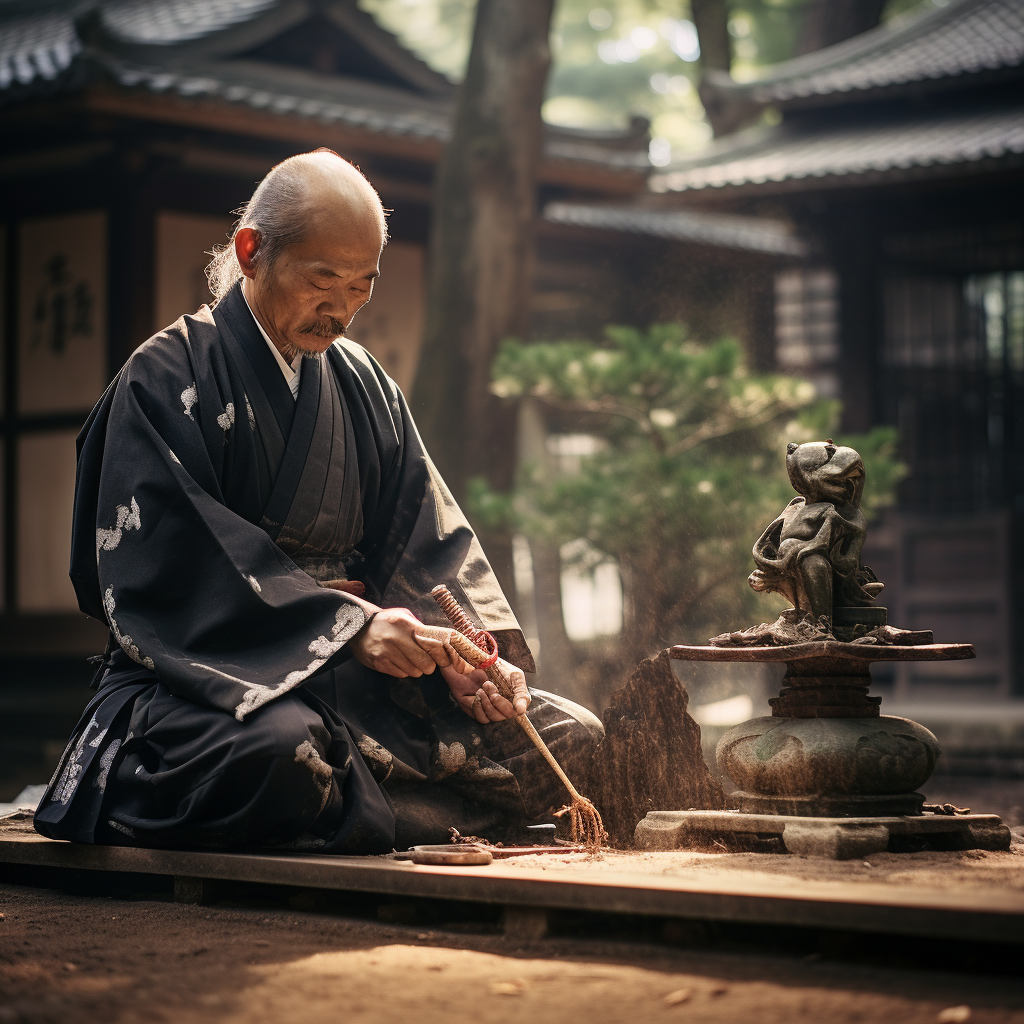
{"type": "Point", "coordinates": [278, 212]}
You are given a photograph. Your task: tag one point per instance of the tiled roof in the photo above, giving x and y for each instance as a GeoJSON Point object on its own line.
{"type": "Point", "coordinates": [366, 105]}
{"type": "Point", "coordinates": [752, 234]}
{"type": "Point", "coordinates": [152, 49]}
{"type": "Point", "coordinates": [167, 22]}
{"type": "Point", "coordinates": [963, 38]}
{"type": "Point", "coordinates": [377, 108]}
{"type": "Point", "coordinates": [39, 46]}
{"type": "Point", "coordinates": [852, 151]}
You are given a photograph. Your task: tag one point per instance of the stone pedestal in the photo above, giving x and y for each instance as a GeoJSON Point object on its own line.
{"type": "Point", "coordinates": [827, 772]}
{"type": "Point", "coordinates": [835, 767]}
{"type": "Point", "coordinates": [839, 838]}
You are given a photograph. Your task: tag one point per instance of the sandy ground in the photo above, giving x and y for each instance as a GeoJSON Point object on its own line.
{"type": "Point", "coordinates": [970, 871]}
{"type": "Point", "coordinates": [68, 959]}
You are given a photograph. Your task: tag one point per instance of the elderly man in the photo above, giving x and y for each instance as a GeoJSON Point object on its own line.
{"type": "Point", "coordinates": [259, 526]}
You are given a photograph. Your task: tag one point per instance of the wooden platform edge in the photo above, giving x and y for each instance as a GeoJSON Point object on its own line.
{"type": "Point", "coordinates": [877, 912]}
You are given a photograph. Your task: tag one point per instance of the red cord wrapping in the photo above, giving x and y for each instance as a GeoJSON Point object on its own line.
{"type": "Point", "coordinates": [493, 644]}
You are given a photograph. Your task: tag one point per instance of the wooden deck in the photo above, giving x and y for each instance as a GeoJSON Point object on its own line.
{"type": "Point", "coordinates": [995, 914]}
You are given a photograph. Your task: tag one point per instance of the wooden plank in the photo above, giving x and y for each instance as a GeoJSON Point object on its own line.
{"type": "Point", "coordinates": [825, 649]}
{"type": "Point", "coordinates": [987, 917]}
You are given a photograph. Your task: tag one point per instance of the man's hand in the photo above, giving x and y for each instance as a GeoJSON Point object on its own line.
{"type": "Point", "coordinates": [387, 643]}
{"type": "Point", "coordinates": [479, 697]}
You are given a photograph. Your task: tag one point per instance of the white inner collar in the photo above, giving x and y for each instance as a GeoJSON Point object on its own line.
{"type": "Point", "coordinates": [291, 371]}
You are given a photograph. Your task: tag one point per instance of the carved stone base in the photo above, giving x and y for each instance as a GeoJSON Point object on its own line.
{"type": "Point", "coordinates": [830, 767]}
{"type": "Point", "coordinates": [835, 838]}
{"type": "Point", "coordinates": [832, 806]}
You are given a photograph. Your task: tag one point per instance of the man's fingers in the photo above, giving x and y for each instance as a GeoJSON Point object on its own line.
{"type": "Point", "coordinates": [440, 652]}
{"type": "Point", "coordinates": [459, 684]}
{"type": "Point", "coordinates": [407, 648]}
{"type": "Point", "coordinates": [467, 704]}
{"type": "Point", "coordinates": [487, 694]}
{"type": "Point", "coordinates": [459, 662]}
{"type": "Point", "coordinates": [396, 656]}
{"type": "Point", "coordinates": [502, 706]}
{"type": "Point", "coordinates": [520, 693]}
{"type": "Point", "coordinates": [385, 666]}
{"type": "Point", "coordinates": [478, 710]}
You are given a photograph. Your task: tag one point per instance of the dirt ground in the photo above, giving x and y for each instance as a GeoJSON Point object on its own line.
{"type": "Point", "coordinates": [971, 871]}
{"type": "Point", "coordinates": [75, 959]}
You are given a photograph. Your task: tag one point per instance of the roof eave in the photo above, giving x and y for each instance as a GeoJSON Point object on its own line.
{"type": "Point", "coordinates": [221, 116]}
{"type": "Point", "coordinates": [833, 182]}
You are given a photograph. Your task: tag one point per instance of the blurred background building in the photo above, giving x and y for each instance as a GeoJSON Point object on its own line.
{"type": "Point", "coordinates": [857, 221]}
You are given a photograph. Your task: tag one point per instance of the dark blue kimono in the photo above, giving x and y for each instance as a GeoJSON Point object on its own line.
{"type": "Point", "coordinates": [210, 505]}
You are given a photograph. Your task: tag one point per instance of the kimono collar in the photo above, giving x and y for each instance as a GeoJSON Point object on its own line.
{"type": "Point", "coordinates": [292, 370]}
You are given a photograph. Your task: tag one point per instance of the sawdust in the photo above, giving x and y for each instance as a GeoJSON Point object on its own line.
{"type": "Point", "coordinates": [968, 871]}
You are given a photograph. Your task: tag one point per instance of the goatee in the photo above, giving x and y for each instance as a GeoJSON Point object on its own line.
{"type": "Point", "coordinates": [329, 327]}
{"type": "Point", "coordinates": [289, 352]}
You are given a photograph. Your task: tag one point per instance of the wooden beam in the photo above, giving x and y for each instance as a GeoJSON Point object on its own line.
{"type": "Point", "coordinates": [238, 119]}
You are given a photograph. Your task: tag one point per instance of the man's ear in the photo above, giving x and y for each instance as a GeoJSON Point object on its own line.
{"type": "Point", "coordinates": [247, 244]}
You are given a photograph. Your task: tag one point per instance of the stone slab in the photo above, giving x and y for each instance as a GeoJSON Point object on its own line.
{"type": "Point", "coordinates": [835, 838]}
{"type": "Point", "coordinates": [825, 649]}
{"type": "Point", "coordinates": [984, 917]}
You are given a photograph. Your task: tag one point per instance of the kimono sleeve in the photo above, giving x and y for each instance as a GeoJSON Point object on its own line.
{"type": "Point", "coordinates": [190, 589]}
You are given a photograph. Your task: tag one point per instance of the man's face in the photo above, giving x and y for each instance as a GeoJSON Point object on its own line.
{"type": "Point", "coordinates": [314, 288]}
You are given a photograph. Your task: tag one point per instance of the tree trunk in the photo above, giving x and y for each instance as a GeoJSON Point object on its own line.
{"type": "Point", "coordinates": [724, 111]}
{"type": "Point", "coordinates": [482, 250]}
{"type": "Point", "coordinates": [831, 21]}
{"type": "Point", "coordinates": [711, 19]}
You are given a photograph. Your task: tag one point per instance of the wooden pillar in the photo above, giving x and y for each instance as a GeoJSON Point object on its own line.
{"type": "Point", "coordinates": [130, 261]}
{"type": "Point", "coordinates": [855, 256]}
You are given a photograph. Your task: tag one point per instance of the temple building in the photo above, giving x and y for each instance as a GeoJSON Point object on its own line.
{"type": "Point", "coordinates": [133, 128]}
{"type": "Point", "coordinates": [897, 156]}
{"type": "Point", "coordinates": [866, 234]}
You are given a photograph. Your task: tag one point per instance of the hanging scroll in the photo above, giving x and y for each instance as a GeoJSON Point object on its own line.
{"type": "Point", "coordinates": [62, 313]}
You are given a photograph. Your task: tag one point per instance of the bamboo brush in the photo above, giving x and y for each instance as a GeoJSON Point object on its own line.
{"type": "Point", "coordinates": [467, 640]}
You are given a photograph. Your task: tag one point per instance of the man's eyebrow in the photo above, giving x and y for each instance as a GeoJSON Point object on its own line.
{"type": "Point", "coordinates": [325, 268]}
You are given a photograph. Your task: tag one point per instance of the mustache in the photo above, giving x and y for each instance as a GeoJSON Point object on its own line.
{"type": "Point", "coordinates": [326, 327]}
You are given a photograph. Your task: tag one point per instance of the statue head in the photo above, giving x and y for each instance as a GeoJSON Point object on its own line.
{"type": "Point", "coordinates": [824, 471]}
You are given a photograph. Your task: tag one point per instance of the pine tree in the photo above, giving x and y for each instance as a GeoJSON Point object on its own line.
{"type": "Point", "coordinates": [688, 469]}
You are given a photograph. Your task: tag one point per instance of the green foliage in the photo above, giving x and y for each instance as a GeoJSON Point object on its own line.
{"type": "Point", "coordinates": [689, 469]}
{"type": "Point", "coordinates": [591, 85]}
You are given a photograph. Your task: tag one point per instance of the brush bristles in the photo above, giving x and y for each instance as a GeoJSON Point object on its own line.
{"type": "Point", "coordinates": [587, 826]}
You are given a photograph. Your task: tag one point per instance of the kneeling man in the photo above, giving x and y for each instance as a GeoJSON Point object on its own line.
{"type": "Point", "coordinates": [258, 524]}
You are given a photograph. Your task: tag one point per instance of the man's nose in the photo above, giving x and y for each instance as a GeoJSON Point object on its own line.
{"type": "Point", "coordinates": [336, 303]}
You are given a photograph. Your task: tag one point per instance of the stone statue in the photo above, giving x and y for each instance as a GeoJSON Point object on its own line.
{"type": "Point", "coordinates": [811, 552]}
{"type": "Point", "coordinates": [811, 555]}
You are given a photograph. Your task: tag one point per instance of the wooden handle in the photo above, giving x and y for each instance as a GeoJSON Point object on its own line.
{"type": "Point", "coordinates": [469, 650]}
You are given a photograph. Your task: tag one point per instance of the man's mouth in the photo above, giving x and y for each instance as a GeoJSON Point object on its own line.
{"type": "Point", "coordinates": [329, 327]}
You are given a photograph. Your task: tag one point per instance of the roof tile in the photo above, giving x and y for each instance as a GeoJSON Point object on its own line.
{"type": "Point", "coordinates": [752, 234]}
{"type": "Point", "coordinates": [962, 38]}
{"type": "Point", "coordinates": [952, 138]}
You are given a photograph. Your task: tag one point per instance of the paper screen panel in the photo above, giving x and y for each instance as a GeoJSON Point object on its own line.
{"type": "Point", "coordinates": [390, 325]}
{"type": "Point", "coordinates": [46, 492]}
{"type": "Point", "coordinates": [62, 312]}
{"type": "Point", "coordinates": [183, 241]}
